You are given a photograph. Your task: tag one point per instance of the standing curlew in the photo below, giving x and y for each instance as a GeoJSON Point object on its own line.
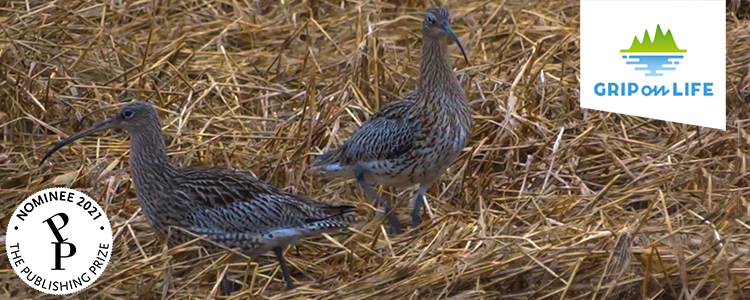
{"type": "Point", "coordinates": [230, 208]}
{"type": "Point", "coordinates": [413, 140]}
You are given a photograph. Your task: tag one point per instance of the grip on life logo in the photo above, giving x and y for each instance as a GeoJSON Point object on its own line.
{"type": "Point", "coordinates": [655, 55]}
{"type": "Point", "coordinates": [652, 59]}
{"type": "Point", "coordinates": [59, 241]}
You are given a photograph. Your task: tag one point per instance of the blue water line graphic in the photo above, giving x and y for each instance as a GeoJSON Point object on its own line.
{"type": "Point", "coordinates": [654, 63]}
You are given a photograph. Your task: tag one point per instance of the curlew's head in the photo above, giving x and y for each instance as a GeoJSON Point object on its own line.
{"type": "Point", "coordinates": [437, 25]}
{"type": "Point", "coordinates": [130, 117]}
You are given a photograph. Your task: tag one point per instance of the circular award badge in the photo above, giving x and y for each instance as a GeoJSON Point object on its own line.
{"type": "Point", "coordinates": [59, 241]}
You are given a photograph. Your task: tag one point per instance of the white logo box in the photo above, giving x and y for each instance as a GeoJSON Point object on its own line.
{"type": "Point", "coordinates": [686, 87]}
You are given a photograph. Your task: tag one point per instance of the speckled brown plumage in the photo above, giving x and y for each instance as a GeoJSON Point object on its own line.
{"type": "Point", "coordinates": [230, 208]}
{"type": "Point", "coordinates": [415, 139]}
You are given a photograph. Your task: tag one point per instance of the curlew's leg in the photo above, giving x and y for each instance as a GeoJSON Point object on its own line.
{"type": "Point", "coordinates": [419, 199]}
{"type": "Point", "coordinates": [284, 268]}
{"type": "Point", "coordinates": [393, 225]}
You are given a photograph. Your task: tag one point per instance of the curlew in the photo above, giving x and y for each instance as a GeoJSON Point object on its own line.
{"type": "Point", "coordinates": [411, 141]}
{"type": "Point", "coordinates": [229, 208]}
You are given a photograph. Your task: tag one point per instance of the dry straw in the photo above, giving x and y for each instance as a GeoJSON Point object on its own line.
{"type": "Point", "coordinates": [549, 201]}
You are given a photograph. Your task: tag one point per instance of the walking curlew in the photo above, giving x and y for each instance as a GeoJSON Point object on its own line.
{"type": "Point", "coordinates": [230, 208]}
{"type": "Point", "coordinates": [415, 139]}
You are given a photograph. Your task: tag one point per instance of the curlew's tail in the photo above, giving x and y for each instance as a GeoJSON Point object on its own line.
{"type": "Point", "coordinates": [329, 164]}
{"type": "Point", "coordinates": [336, 213]}
{"type": "Point", "coordinates": [332, 218]}
{"type": "Point", "coordinates": [320, 218]}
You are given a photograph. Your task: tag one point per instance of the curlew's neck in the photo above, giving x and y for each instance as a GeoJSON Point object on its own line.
{"type": "Point", "coordinates": [148, 155]}
{"type": "Point", "coordinates": [435, 70]}
{"type": "Point", "coordinates": [153, 175]}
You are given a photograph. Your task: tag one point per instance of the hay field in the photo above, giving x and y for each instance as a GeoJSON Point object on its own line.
{"type": "Point", "coordinates": [549, 201]}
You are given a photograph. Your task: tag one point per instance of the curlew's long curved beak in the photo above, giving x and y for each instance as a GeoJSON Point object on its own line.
{"type": "Point", "coordinates": [449, 31]}
{"type": "Point", "coordinates": [98, 127]}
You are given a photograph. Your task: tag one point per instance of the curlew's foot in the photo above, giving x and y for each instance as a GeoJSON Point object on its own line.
{"type": "Point", "coordinates": [228, 287]}
{"type": "Point", "coordinates": [394, 226]}
{"type": "Point", "coordinates": [289, 284]}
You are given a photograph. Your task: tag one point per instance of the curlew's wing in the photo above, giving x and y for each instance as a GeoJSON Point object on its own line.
{"type": "Point", "coordinates": [385, 135]}
{"type": "Point", "coordinates": [225, 201]}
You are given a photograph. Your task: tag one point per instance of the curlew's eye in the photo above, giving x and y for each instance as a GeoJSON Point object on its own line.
{"type": "Point", "coordinates": [430, 20]}
{"type": "Point", "coordinates": [127, 114]}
